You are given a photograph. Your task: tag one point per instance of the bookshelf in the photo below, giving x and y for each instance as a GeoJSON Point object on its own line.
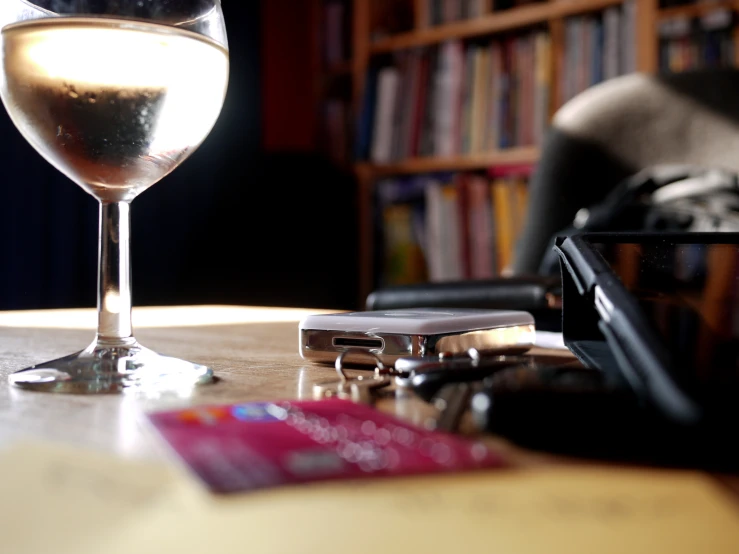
{"type": "Point", "coordinates": [416, 32]}
{"type": "Point", "coordinates": [490, 23]}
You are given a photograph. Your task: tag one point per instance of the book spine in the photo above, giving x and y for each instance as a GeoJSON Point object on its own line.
{"type": "Point", "coordinates": [399, 113]}
{"type": "Point", "coordinates": [457, 100]}
{"type": "Point", "coordinates": [442, 132]}
{"type": "Point", "coordinates": [496, 82]}
{"type": "Point", "coordinates": [401, 202]}
{"type": "Point", "coordinates": [628, 40]}
{"type": "Point", "coordinates": [580, 55]}
{"type": "Point", "coordinates": [611, 20]}
{"type": "Point", "coordinates": [404, 262]}
{"type": "Point", "coordinates": [411, 100]}
{"type": "Point", "coordinates": [586, 60]}
{"type": "Point", "coordinates": [420, 106]}
{"type": "Point", "coordinates": [529, 73]}
{"type": "Point", "coordinates": [461, 182]}
{"type": "Point", "coordinates": [435, 230]}
{"type": "Point", "coordinates": [514, 218]}
{"type": "Point", "coordinates": [479, 100]}
{"type": "Point", "coordinates": [543, 86]}
{"type": "Point", "coordinates": [597, 56]}
{"type": "Point", "coordinates": [387, 84]}
{"type": "Point", "coordinates": [503, 223]}
{"type": "Point", "coordinates": [519, 72]}
{"type": "Point", "coordinates": [426, 140]}
{"type": "Point", "coordinates": [436, 12]}
{"type": "Point", "coordinates": [480, 230]}
{"type": "Point", "coordinates": [505, 108]}
{"type": "Point", "coordinates": [521, 192]}
{"type": "Point", "coordinates": [466, 120]}
{"type": "Point", "coordinates": [364, 137]}
{"type": "Point", "coordinates": [451, 240]}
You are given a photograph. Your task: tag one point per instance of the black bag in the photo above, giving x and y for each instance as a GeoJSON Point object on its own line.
{"type": "Point", "coordinates": [668, 198]}
{"type": "Point", "coordinates": [668, 335]}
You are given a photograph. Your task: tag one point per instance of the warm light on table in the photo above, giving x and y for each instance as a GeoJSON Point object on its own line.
{"type": "Point", "coordinates": [157, 316]}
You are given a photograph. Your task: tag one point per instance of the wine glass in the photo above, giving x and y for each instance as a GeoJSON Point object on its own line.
{"type": "Point", "coordinates": [115, 94]}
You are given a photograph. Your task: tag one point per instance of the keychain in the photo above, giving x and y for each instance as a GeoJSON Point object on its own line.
{"type": "Point", "coordinates": [425, 375]}
{"type": "Point", "coordinates": [445, 381]}
{"type": "Point", "coordinates": [359, 389]}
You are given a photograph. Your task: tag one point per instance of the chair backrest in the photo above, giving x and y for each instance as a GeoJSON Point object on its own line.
{"type": "Point", "coordinates": [643, 120]}
{"type": "Point", "coordinates": [615, 129]}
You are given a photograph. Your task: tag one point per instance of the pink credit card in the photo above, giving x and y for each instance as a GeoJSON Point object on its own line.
{"type": "Point", "coordinates": [243, 447]}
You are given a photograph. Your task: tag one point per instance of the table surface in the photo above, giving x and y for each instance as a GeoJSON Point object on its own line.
{"type": "Point", "coordinates": [253, 351]}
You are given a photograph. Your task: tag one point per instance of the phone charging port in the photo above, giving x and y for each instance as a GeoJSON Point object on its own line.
{"type": "Point", "coordinates": [358, 342]}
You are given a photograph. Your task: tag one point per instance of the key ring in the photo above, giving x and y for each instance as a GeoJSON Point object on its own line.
{"type": "Point", "coordinates": [380, 368]}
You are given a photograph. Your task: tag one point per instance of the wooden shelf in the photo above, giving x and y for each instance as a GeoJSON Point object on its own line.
{"type": "Point", "coordinates": [550, 14]}
{"type": "Point", "coordinates": [695, 10]}
{"type": "Point", "coordinates": [512, 156]}
{"type": "Point", "coordinates": [491, 23]}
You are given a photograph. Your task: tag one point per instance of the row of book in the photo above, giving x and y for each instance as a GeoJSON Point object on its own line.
{"type": "Point", "coordinates": [705, 42]}
{"type": "Point", "coordinates": [468, 98]}
{"type": "Point", "coordinates": [598, 47]}
{"type": "Point", "coordinates": [458, 99]}
{"type": "Point", "coordinates": [439, 12]}
{"type": "Point", "coordinates": [446, 227]}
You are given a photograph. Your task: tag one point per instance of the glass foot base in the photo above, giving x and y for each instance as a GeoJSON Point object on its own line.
{"type": "Point", "coordinates": [104, 368]}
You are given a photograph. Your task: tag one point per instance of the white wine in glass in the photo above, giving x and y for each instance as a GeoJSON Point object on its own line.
{"type": "Point", "coordinates": [115, 94]}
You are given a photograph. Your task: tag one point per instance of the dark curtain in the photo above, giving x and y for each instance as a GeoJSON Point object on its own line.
{"type": "Point", "coordinates": [231, 225]}
{"type": "Point", "coordinates": [48, 229]}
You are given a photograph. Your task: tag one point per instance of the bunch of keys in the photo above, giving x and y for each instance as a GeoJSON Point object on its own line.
{"type": "Point", "coordinates": [358, 389]}
{"type": "Point", "coordinates": [449, 382]}
{"type": "Point", "coordinates": [445, 381]}
{"type": "Point", "coordinates": [428, 375]}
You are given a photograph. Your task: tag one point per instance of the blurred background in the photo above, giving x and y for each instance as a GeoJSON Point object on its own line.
{"type": "Point", "coordinates": [362, 143]}
{"type": "Point", "coordinates": [257, 215]}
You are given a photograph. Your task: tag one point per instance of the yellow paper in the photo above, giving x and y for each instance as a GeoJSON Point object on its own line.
{"type": "Point", "coordinates": [62, 500]}
{"type": "Point", "coordinates": [59, 499]}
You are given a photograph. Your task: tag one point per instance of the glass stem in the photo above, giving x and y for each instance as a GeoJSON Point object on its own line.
{"type": "Point", "coordinates": [114, 275]}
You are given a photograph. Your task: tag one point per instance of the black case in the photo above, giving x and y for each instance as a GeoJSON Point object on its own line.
{"type": "Point", "coordinates": [604, 327]}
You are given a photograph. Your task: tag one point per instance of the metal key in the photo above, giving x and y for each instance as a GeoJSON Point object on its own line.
{"type": "Point", "coordinates": [358, 389]}
{"type": "Point", "coordinates": [427, 374]}
{"type": "Point", "coordinates": [452, 401]}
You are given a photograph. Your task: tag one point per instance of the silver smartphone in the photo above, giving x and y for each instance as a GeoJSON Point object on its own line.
{"type": "Point", "coordinates": [392, 334]}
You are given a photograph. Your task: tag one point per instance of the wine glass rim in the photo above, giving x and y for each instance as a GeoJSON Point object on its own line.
{"type": "Point", "coordinates": [193, 20]}
{"type": "Point", "coordinates": [39, 8]}
{"type": "Point", "coordinates": [35, 6]}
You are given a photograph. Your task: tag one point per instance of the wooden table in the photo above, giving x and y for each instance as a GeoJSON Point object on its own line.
{"type": "Point", "coordinates": [254, 352]}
